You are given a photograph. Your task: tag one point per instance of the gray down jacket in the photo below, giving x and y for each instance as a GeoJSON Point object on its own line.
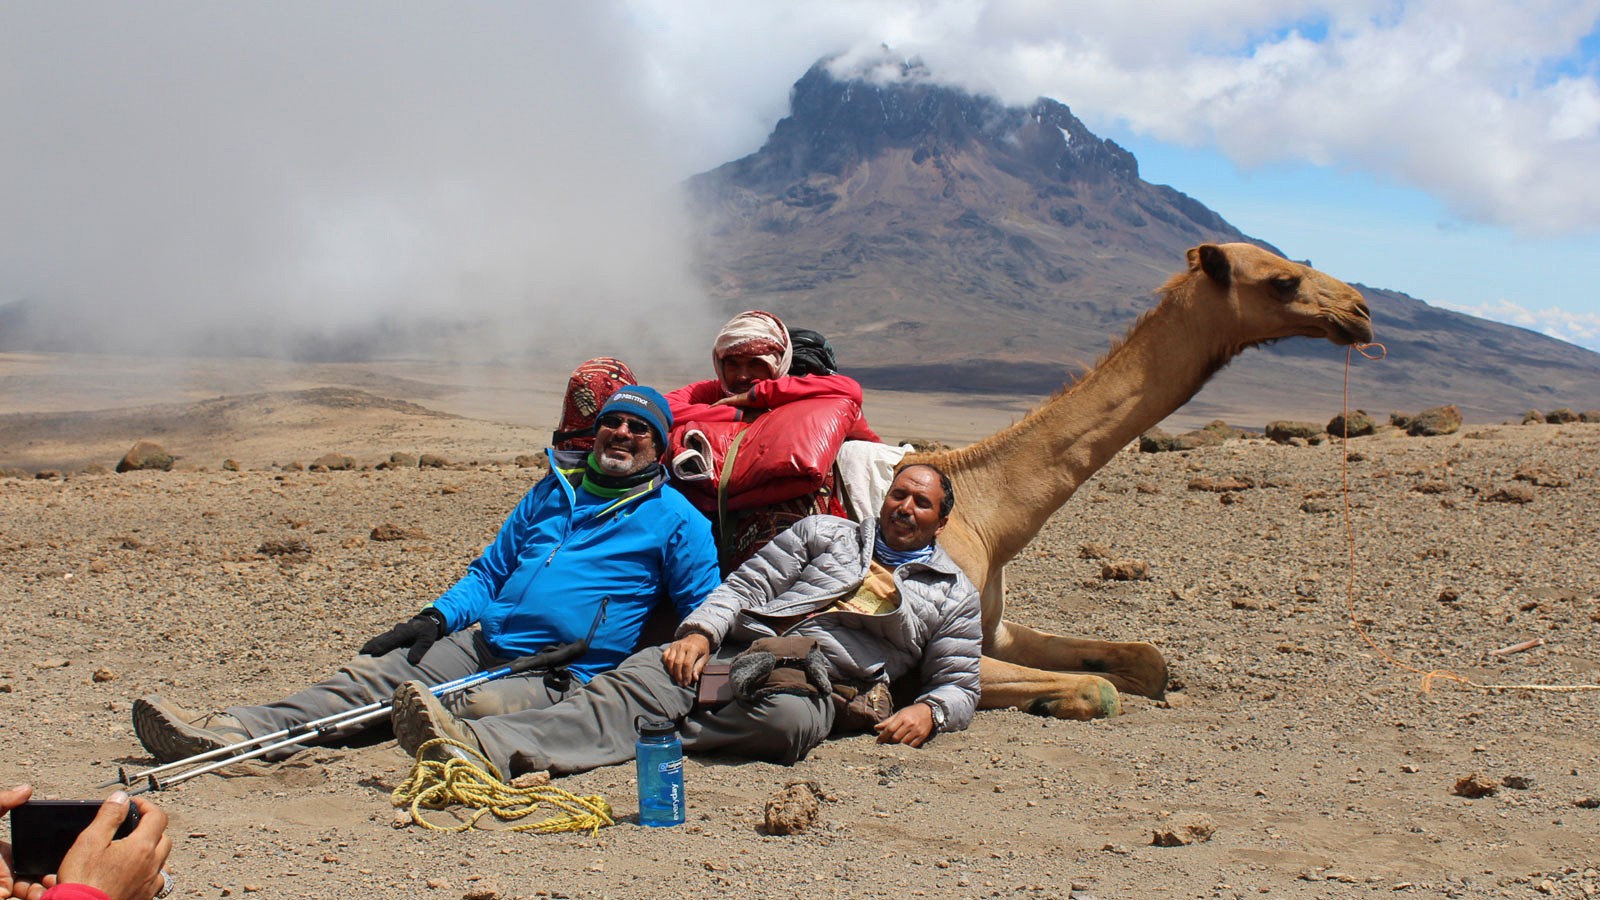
{"type": "Point", "coordinates": [821, 559]}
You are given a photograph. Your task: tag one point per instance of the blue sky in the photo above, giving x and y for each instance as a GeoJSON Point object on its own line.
{"type": "Point", "coordinates": [189, 165]}
{"type": "Point", "coordinates": [1387, 235]}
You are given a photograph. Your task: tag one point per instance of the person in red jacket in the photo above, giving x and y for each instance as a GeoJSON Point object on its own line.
{"type": "Point", "coordinates": [99, 867]}
{"type": "Point", "coordinates": [752, 356]}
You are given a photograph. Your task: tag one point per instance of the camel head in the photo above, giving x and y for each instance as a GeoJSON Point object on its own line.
{"type": "Point", "coordinates": [1272, 297]}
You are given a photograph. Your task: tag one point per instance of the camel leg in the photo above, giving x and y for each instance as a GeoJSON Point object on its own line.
{"type": "Point", "coordinates": [1133, 666]}
{"type": "Point", "coordinates": [1063, 695]}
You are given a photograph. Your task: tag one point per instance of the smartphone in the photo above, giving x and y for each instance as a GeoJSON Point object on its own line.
{"type": "Point", "coordinates": [42, 831]}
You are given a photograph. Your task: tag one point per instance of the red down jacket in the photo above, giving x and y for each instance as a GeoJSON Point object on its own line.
{"type": "Point", "coordinates": [785, 453]}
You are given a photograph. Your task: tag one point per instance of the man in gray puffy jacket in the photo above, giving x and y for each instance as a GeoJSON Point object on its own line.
{"type": "Point", "coordinates": [879, 599]}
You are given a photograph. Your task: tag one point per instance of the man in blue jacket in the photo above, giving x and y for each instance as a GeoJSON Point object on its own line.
{"type": "Point", "coordinates": [599, 543]}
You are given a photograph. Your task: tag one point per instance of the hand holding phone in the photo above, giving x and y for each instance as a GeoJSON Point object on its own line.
{"type": "Point", "coordinates": [98, 854]}
{"type": "Point", "coordinates": [42, 831]}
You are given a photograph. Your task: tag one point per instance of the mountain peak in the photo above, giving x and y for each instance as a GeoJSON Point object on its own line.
{"type": "Point", "coordinates": [843, 112]}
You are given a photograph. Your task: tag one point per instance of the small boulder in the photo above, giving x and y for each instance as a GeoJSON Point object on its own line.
{"type": "Point", "coordinates": [1474, 786]}
{"type": "Point", "coordinates": [1562, 416]}
{"type": "Point", "coordinates": [391, 532]}
{"type": "Point", "coordinates": [1282, 431]}
{"type": "Point", "coordinates": [1533, 417]}
{"type": "Point", "coordinates": [433, 461]}
{"type": "Point", "coordinates": [1511, 493]}
{"type": "Point", "coordinates": [1356, 424]}
{"type": "Point", "coordinates": [793, 809]}
{"type": "Point", "coordinates": [398, 460]}
{"type": "Point", "coordinates": [1155, 441]}
{"type": "Point", "coordinates": [1589, 415]}
{"type": "Point", "coordinates": [1125, 570]}
{"type": "Point", "coordinates": [1435, 421]}
{"type": "Point", "coordinates": [1186, 830]}
{"type": "Point", "coordinates": [146, 455]}
{"type": "Point", "coordinates": [334, 462]}
{"type": "Point", "coordinates": [1194, 440]}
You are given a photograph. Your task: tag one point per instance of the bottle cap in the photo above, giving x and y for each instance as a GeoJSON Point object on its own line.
{"type": "Point", "coordinates": [654, 727]}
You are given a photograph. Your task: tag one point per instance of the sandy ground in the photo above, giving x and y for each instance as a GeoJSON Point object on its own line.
{"type": "Point", "coordinates": [1323, 766]}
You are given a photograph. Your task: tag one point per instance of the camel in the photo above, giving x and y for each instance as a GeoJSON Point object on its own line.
{"type": "Point", "coordinates": [1231, 297]}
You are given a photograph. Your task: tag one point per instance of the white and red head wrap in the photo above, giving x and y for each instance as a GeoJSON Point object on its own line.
{"type": "Point", "coordinates": [756, 334]}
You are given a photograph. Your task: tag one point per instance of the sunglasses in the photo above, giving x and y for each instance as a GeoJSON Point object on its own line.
{"type": "Point", "coordinates": [618, 423]}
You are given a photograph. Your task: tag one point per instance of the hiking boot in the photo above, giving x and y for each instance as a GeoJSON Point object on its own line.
{"type": "Point", "coordinates": [418, 717]}
{"type": "Point", "coordinates": [172, 733]}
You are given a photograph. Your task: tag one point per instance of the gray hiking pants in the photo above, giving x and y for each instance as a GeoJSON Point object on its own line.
{"type": "Point", "coordinates": [594, 726]}
{"type": "Point", "coordinates": [368, 679]}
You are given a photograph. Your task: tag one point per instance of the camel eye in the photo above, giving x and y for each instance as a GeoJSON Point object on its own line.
{"type": "Point", "coordinates": [1286, 285]}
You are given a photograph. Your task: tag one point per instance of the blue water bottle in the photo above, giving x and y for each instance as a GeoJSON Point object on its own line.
{"type": "Point", "coordinates": [659, 756]}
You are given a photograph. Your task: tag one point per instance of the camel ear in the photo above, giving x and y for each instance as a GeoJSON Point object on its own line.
{"type": "Point", "coordinates": [1212, 260]}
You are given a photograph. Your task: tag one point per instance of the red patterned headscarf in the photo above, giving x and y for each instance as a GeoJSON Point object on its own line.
{"type": "Point", "coordinates": [755, 334]}
{"type": "Point", "coordinates": [591, 385]}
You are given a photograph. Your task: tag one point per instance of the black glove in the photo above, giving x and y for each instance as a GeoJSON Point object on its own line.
{"type": "Point", "coordinates": [419, 634]}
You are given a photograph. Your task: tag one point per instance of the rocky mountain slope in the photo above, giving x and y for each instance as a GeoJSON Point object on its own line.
{"type": "Point", "coordinates": [946, 241]}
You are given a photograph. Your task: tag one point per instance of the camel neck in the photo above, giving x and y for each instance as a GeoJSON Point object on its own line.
{"type": "Point", "coordinates": [1041, 461]}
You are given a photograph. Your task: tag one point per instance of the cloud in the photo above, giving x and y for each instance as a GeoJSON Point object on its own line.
{"type": "Point", "coordinates": [174, 170]}
{"type": "Point", "coordinates": [1582, 329]}
{"type": "Point", "coordinates": [1491, 107]}
{"type": "Point", "coordinates": [170, 170]}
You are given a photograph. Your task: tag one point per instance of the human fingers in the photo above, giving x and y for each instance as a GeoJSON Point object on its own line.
{"type": "Point", "coordinates": [103, 828]}
{"type": "Point", "coordinates": [15, 797]}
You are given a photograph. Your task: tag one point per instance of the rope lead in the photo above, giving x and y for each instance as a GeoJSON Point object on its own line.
{"type": "Point", "coordinates": [436, 784]}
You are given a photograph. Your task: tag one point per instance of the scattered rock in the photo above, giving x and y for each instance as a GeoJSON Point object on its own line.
{"type": "Point", "coordinates": [1513, 493]}
{"type": "Point", "coordinates": [793, 809]}
{"type": "Point", "coordinates": [334, 462]}
{"type": "Point", "coordinates": [230, 465]}
{"type": "Point", "coordinates": [1517, 782]}
{"type": "Point", "coordinates": [146, 455]}
{"type": "Point", "coordinates": [1221, 485]}
{"type": "Point", "coordinates": [1587, 803]}
{"type": "Point", "coordinates": [531, 779]}
{"type": "Point", "coordinates": [391, 532]}
{"type": "Point", "coordinates": [292, 548]}
{"type": "Point", "coordinates": [483, 891]}
{"type": "Point", "coordinates": [1281, 431]}
{"type": "Point", "coordinates": [1435, 421]}
{"type": "Point", "coordinates": [433, 461]}
{"type": "Point", "coordinates": [530, 461]}
{"type": "Point", "coordinates": [1561, 416]}
{"type": "Point", "coordinates": [1356, 424]}
{"type": "Point", "coordinates": [1155, 441]}
{"type": "Point", "coordinates": [1589, 415]}
{"type": "Point", "coordinates": [1402, 421]}
{"type": "Point", "coordinates": [1474, 786]}
{"type": "Point", "coordinates": [1540, 476]}
{"type": "Point", "coordinates": [1093, 551]}
{"type": "Point", "coordinates": [398, 460]}
{"type": "Point", "coordinates": [1430, 487]}
{"type": "Point", "coordinates": [1194, 440]}
{"type": "Point", "coordinates": [1533, 417]}
{"type": "Point", "coordinates": [101, 676]}
{"type": "Point", "coordinates": [1316, 505]}
{"type": "Point", "coordinates": [1125, 570]}
{"type": "Point", "coordinates": [1188, 830]}
{"type": "Point", "coordinates": [47, 474]}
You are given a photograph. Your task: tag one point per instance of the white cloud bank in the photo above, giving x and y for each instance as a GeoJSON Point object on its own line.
{"type": "Point", "coordinates": [185, 166]}
{"type": "Point", "coordinates": [1491, 106]}
{"type": "Point", "coordinates": [1582, 329]}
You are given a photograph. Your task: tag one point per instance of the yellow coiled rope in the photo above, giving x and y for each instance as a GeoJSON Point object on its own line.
{"type": "Point", "coordinates": [439, 784]}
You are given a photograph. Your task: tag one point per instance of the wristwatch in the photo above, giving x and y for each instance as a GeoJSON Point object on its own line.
{"type": "Point", "coordinates": [938, 715]}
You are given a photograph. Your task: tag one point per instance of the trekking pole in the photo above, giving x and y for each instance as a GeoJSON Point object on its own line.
{"type": "Point", "coordinates": [551, 658]}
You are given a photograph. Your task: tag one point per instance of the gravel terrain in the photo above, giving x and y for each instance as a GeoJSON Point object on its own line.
{"type": "Point", "coordinates": [1296, 757]}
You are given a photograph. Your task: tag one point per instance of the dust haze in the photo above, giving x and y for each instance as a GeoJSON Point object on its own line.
{"type": "Point", "coordinates": [476, 183]}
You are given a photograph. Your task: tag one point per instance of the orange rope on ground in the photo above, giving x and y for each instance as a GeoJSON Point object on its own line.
{"type": "Point", "coordinates": [1429, 676]}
